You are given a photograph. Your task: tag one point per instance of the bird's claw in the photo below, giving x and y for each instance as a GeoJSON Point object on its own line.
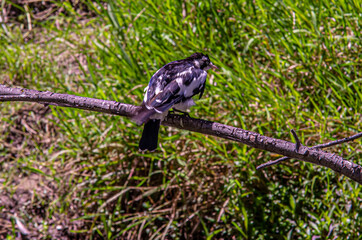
{"type": "Point", "coordinates": [186, 114]}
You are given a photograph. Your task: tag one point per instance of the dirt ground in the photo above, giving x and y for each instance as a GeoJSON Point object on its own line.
{"type": "Point", "coordinates": [27, 199]}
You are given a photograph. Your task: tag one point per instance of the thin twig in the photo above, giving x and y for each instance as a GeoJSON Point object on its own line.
{"type": "Point", "coordinates": [320, 146]}
{"type": "Point", "coordinates": [297, 141]}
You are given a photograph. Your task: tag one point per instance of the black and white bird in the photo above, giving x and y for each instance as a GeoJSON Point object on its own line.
{"type": "Point", "coordinates": [172, 86]}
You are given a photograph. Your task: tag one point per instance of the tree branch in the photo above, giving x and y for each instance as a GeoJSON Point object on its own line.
{"type": "Point", "coordinates": [320, 146]}
{"type": "Point", "coordinates": [285, 148]}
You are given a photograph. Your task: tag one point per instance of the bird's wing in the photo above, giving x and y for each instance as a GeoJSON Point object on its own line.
{"type": "Point", "coordinates": [166, 98]}
{"type": "Point", "coordinates": [183, 84]}
{"type": "Point", "coordinates": [161, 78]}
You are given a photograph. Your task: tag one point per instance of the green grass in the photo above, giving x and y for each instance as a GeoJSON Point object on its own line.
{"type": "Point", "coordinates": [283, 65]}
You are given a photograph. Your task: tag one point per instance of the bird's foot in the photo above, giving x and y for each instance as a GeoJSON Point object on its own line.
{"type": "Point", "coordinates": [186, 114]}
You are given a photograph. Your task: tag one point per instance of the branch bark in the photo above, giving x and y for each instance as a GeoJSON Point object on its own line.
{"type": "Point", "coordinates": [319, 146]}
{"type": "Point", "coordinates": [255, 140]}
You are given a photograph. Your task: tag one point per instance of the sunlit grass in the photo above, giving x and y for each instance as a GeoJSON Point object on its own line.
{"type": "Point", "coordinates": [283, 65]}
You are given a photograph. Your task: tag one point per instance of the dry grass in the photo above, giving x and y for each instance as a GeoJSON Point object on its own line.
{"type": "Point", "coordinates": [73, 174]}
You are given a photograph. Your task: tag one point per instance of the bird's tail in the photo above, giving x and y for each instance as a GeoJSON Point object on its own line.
{"type": "Point", "coordinates": [149, 139]}
{"type": "Point", "coordinates": [143, 115]}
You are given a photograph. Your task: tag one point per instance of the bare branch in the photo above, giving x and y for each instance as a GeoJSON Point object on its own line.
{"type": "Point", "coordinates": [252, 139]}
{"type": "Point", "coordinates": [66, 100]}
{"type": "Point", "coordinates": [320, 146]}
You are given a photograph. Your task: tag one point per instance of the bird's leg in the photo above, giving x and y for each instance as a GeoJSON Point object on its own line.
{"type": "Point", "coordinates": [186, 114]}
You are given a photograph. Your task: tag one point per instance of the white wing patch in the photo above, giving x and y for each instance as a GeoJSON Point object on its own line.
{"type": "Point", "coordinates": [197, 64]}
{"type": "Point", "coordinates": [179, 82]}
{"type": "Point", "coordinates": [145, 98]}
{"type": "Point", "coordinates": [188, 71]}
{"type": "Point", "coordinates": [157, 90]}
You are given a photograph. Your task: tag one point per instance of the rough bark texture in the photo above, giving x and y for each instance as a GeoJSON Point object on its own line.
{"type": "Point", "coordinates": [285, 148]}
{"type": "Point", "coordinates": [279, 146]}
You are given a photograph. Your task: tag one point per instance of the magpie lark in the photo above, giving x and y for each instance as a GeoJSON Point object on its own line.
{"type": "Point", "coordinates": [172, 86]}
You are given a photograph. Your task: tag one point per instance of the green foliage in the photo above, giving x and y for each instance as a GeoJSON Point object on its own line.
{"type": "Point", "coordinates": [283, 65]}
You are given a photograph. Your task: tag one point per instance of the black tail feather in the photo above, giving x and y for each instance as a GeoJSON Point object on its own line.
{"type": "Point", "coordinates": [149, 139]}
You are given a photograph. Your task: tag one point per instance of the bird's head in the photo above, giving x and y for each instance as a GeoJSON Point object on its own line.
{"type": "Point", "coordinates": [202, 61]}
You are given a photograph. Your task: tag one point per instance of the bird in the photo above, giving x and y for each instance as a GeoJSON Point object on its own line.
{"type": "Point", "coordinates": [172, 86]}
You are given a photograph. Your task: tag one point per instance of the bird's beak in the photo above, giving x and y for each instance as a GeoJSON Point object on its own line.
{"type": "Point", "coordinates": [213, 66]}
